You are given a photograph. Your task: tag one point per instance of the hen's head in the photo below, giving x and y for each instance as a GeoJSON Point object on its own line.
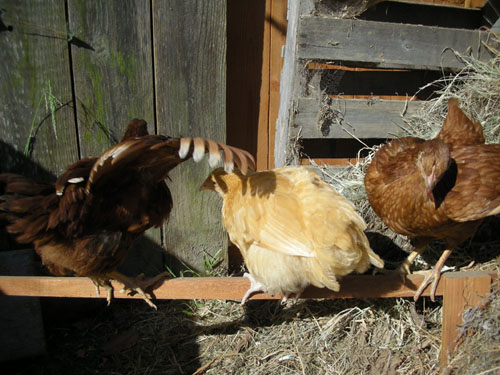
{"type": "Point", "coordinates": [221, 181]}
{"type": "Point", "coordinates": [433, 160]}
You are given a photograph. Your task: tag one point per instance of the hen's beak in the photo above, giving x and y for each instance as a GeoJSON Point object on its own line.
{"type": "Point", "coordinates": [430, 183]}
{"type": "Point", "coordinates": [208, 185]}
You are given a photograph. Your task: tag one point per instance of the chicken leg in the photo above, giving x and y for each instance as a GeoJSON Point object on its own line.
{"type": "Point", "coordinates": [131, 285]}
{"type": "Point", "coordinates": [104, 283]}
{"type": "Point", "coordinates": [255, 287]}
{"type": "Point", "coordinates": [138, 284]}
{"type": "Point", "coordinates": [404, 267]}
{"type": "Point", "coordinates": [433, 276]}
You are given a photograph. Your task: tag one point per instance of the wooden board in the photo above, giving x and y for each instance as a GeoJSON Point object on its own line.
{"type": "Point", "coordinates": [363, 118]}
{"type": "Point", "coordinates": [113, 78]}
{"type": "Point", "coordinates": [457, 3]}
{"type": "Point", "coordinates": [113, 69]}
{"type": "Point", "coordinates": [385, 44]}
{"type": "Point", "coordinates": [287, 87]}
{"type": "Point", "coordinates": [190, 82]}
{"type": "Point", "coordinates": [35, 89]}
{"type": "Point", "coordinates": [461, 291]}
{"type": "Point", "coordinates": [225, 288]}
{"type": "Point", "coordinates": [279, 25]}
{"type": "Point", "coordinates": [248, 48]}
{"type": "Point", "coordinates": [256, 34]}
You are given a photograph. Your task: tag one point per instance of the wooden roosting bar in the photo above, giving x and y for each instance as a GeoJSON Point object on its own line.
{"type": "Point", "coordinates": [460, 291]}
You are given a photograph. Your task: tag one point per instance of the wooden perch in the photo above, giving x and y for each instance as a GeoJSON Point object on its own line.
{"type": "Point", "coordinates": [460, 290]}
{"type": "Point", "coordinates": [224, 288]}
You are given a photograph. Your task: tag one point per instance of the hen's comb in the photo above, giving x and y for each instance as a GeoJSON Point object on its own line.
{"type": "Point", "coordinates": [230, 155]}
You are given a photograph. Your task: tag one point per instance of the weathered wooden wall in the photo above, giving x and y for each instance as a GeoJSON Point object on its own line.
{"type": "Point", "coordinates": [75, 72]}
{"type": "Point", "coordinates": [347, 78]}
{"type": "Point", "coordinates": [190, 75]}
{"type": "Point", "coordinates": [35, 71]}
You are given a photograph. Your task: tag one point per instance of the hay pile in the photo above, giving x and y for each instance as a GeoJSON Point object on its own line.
{"type": "Point", "coordinates": [217, 337]}
{"type": "Point", "coordinates": [477, 87]}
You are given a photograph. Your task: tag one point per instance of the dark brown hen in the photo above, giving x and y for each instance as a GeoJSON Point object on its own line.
{"type": "Point", "coordinates": [437, 189]}
{"type": "Point", "coordinates": [85, 224]}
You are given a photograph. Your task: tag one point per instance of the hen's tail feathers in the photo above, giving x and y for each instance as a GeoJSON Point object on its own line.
{"type": "Point", "coordinates": [230, 155]}
{"type": "Point", "coordinates": [458, 130]}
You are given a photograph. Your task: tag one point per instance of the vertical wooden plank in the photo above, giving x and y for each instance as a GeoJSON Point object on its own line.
{"type": "Point", "coordinates": [256, 35]}
{"type": "Point", "coordinates": [35, 89]}
{"type": "Point", "coordinates": [113, 75]}
{"type": "Point", "coordinates": [190, 76]}
{"type": "Point", "coordinates": [264, 94]}
{"type": "Point", "coordinates": [248, 37]}
{"type": "Point", "coordinates": [278, 38]}
{"type": "Point", "coordinates": [462, 290]}
{"type": "Point", "coordinates": [288, 83]}
{"type": "Point", "coordinates": [113, 69]}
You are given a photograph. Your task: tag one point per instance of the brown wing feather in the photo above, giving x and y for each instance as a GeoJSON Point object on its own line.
{"type": "Point", "coordinates": [477, 191]}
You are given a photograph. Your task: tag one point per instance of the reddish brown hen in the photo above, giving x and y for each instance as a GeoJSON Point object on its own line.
{"type": "Point", "coordinates": [437, 189]}
{"type": "Point", "coordinates": [85, 224]}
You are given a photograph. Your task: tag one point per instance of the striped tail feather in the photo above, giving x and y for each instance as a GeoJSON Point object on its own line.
{"type": "Point", "coordinates": [230, 155]}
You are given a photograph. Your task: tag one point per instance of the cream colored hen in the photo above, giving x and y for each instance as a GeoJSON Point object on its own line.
{"type": "Point", "coordinates": [292, 228]}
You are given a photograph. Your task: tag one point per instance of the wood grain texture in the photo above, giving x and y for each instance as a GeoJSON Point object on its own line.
{"type": "Point", "coordinates": [287, 87]}
{"type": "Point", "coordinates": [248, 48]}
{"type": "Point", "coordinates": [113, 75]}
{"type": "Point", "coordinates": [112, 68]}
{"type": "Point", "coordinates": [364, 118]}
{"type": "Point", "coordinates": [387, 45]}
{"type": "Point", "coordinates": [461, 291]}
{"type": "Point", "coordinates": [190, 77]}
{"type": "Point", "coordinates": [278, 38]}
{"type": "Point", "coordinates": [35, 83]}
{"type": "Point", "coordinates": [224, 288]}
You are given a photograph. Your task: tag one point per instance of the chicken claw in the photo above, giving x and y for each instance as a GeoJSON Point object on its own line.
{"type": "Point", "coordinates": [139, 285]}
{"type": "Point", "coordinates": [106, 284]}
{"type": "Point", "coordinates": [255, 287]}
{"type": "Point", "coordinates": [432, 276]}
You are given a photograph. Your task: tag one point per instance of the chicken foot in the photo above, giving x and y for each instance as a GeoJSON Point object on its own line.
{"type": "Point", "coordinates": [404, 267]}
{"type": "Point", "coordinates": [138, 284]}
{"type": "Point", "coordinates": [104, 283]}
{"type": "Point", "coordinates": [433, 276]}
{"type": "Point", "coordinates": [255, 287]}
{"type": "Point", "coordinates": [287, 295]}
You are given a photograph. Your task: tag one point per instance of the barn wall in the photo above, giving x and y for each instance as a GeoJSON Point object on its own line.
{"type": "Point", "coordinates": [75, 72]}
